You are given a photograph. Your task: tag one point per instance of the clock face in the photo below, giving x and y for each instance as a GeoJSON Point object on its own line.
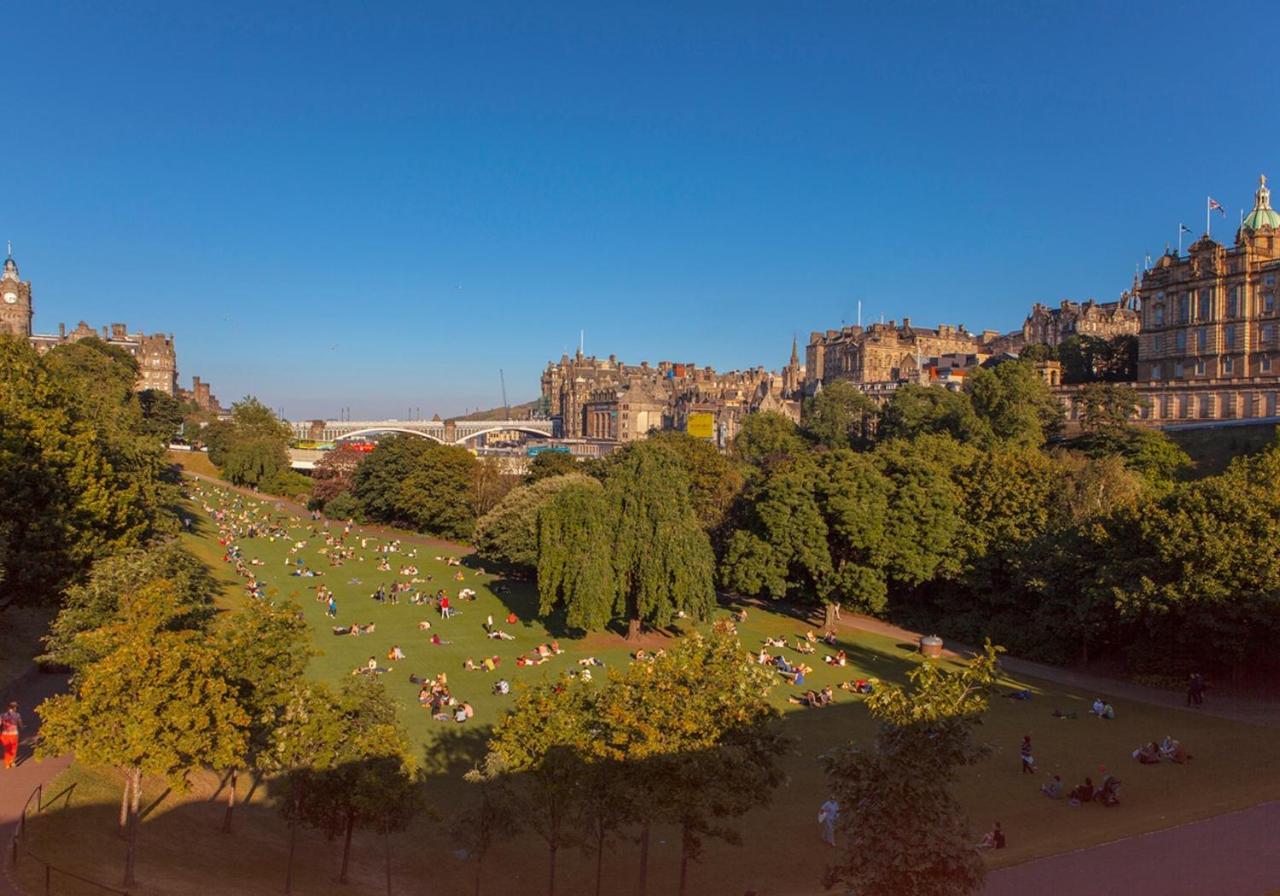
{"type": "Point", "coordinates": [10, 298]}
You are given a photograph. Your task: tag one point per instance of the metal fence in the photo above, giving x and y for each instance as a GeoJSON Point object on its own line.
{"type": "Point", "coordinates": [57, 880]}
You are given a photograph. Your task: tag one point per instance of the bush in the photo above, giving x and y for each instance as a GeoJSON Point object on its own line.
{"type": "Point", "coordinates": [287, 483]}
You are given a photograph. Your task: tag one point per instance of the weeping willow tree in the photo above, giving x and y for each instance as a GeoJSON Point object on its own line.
{"type": "Point", "coordinates": [634, 551]}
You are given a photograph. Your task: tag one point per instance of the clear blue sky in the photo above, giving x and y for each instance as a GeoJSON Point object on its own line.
{"type": "Point", "coordinates": [380, 205]}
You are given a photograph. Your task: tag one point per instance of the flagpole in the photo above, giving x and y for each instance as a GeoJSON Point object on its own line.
{"type": "Point", "coordinates": [1166, 245]}
{"type": "Point", "coordinates": [1208, 232]}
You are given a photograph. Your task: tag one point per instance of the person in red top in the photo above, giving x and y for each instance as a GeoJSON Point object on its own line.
{"type": "Point", "coordinates": [10, 732]}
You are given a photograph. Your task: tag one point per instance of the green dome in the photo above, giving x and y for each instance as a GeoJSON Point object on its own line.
{"type": "Point", "coordinates": [1263, 215]}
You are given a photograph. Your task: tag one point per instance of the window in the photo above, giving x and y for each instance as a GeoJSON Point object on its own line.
{"type": "Point", "coordinates": [1200, 367]}
{"type": "Point", "coordinates": [1233, 301]}
{"type": "Point", "coordinates": [1264, 362]}
{"type": "Point", "coordinates": [1155, 371]}
{"type": "Point", "coordinates": [1158, 314]}
{"type": "Point", "coordinates": [1184, 309]}
{"type": "Point", "coordinates": [1177, 370]}
{"type": "Point", "coordinates": [1270, 280]}
{"type": "Point", "coordinates": [1202, 339]}
{"type": "Point", "coordinates": [1229, 336]}
{"type": "Point", "coordinates": [1159, 343]}
{"type": "Point", "coordinates": [1228, 364]}
{"type": "Point", "coordinates": [1205, 309]}
{"type": "Point", "coordinates": [1180, 340]}
{"type": "Point", "coordinates": [1268, 302]}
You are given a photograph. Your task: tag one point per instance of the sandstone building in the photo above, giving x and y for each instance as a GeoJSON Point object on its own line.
{"type": "Point", "coordinates": [157, 359]}
{"type": "Point", "coordinates": [886, 352]}
{"type": "Point", "coordinates": [1104, 320]}
{"type": "Point", "coordinates": [602, 399]}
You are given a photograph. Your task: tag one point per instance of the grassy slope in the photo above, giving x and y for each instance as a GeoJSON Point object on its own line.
{"type": "Point", "coordinates": [182, 852]}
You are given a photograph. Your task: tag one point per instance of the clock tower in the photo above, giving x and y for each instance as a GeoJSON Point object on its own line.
{"type": "Point", "coordinates": [15, 301]}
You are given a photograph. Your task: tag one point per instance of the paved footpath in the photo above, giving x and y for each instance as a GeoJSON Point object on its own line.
{"type": "Point", "coordinates": [1237, 854]}
{"type": "Point", "coordinates": [17, 784]}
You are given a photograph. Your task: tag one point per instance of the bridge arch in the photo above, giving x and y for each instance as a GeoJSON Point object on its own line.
{"type": "Point", "coordinates": [528, 430]}
{"type": "Point", "coordinates": [382, 430]}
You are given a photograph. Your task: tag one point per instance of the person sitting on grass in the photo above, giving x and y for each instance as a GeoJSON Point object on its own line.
{"type": "Point", "coordinates": [490, 663]}
{"type": "Point", "coordinates": [470, 665]}
{"type": "Point", "coordinates": [829, 638]}
{"type": "Point", "coordinates": [424, 695]}
{"type": "Point", "coordinates": [993, 839]}
{"type": "Point", "coordinates": [840, 659]}
{"type": "Point", "coordinates": [437, 641]}
{"type": "Point", "coordinates": [512, 619]}
{"type": "Point", "coordinates": [857, 686]}
{"type": "Point", "coordinates": [740, 616]}
{"type": "Point", "coordinates": [1108, 712]}
{"type": "Point", "coordinates": [1149, 754]}
{"type": "Point", "coordinates": [396, 653]}
{"type": "Point", "coordinates": [1173, 750]}
{"type": "Point", "coordinates": [1053, 790]}
{"type": "Point", "coordinates": [803, 646]}
{"type": "Point", "coordinates": [1097, 707]}
{"type": "Point", "coordinates": [424, 625]}
{"type": "Point", "coordinates": [501, 687]}
{"type": "Point", "coordinates": [808, 698]}
{"type": "Point", "coordinates": [1109, 793]}
{"type": "Point", "coordinates": [463, 712]}
{"type": "Point", "coordinates": [775, 642]}
{"type": "Point", "coordinates": [782, 665]}
{"type": "Point", "coordinates": [1082, 793]}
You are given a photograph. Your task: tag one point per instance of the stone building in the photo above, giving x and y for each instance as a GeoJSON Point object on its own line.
{"type": "Point", "coordinates": [155, 353]}
{"type": "Point", "coordinates": [885, 352]}
{"type": "Point", "coordinates": [1104, 320]}
{"type": "Point", "coordinates": [201, 395]}
{"type": "Point", "coordinates": [1210, 341]}
{"type": "Point", "coordinates": [604, 399]}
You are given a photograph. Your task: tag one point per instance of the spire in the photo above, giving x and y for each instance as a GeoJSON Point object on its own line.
{"type": "Point", "coordinates": [1262, 215]}
{"type": "Point", "coordinates": [10, 266]}
{"type": "Point", "coordinates": [795, 355]}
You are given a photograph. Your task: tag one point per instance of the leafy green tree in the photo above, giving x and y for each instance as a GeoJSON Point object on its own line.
{"type": "Point", "coordinates": [153, 705]}
{"type": "Point", "coordinates": [420, 484]}
{"type": "Point", "coordinates": [509, 532]}
{"type": "Point", "coordinates": [1087, 359]}
{"type": "Point", "coordinates": [335, 473]}
{"type": "Point", "coordinates": [714, 478]}
{"type": "Point", "coordinates": [265, 651]}
{"type": "Point", "coordinates": [162, 414]}
{"type": "Point", "coordinates": [547, 464]}
{"type": "Point", "coordinates": [780, 548]}
{"type": "Point", "coordinates": [254, 461]}
{"type": "Point", "coordinates": [252, 448]}
{"type": "Point", "coordinates": [930, 410]}
{"type": "Point", "coordinates": [766, 438]}
{"type": "Point", "coordinates": [696, 731]}
{"type": "Point", "coordinates": [574, 566]}
{"type": "Point", "coordinates": [96, 603]}
{"type": "Point", "coordinates": [287, 483]}
{"type": "Point", "coordinates": [926, 512]}
{"type": "Point", "coordinates": [840, 416]}
{"type": "Point", "coordinates": [903, 831]}
{"type": "Point", "coordinates": [855, 495]}
{"type": "Point", "coordinates": [540, 745]}
{"type": "Point", "coordinates": [1108, 406]}
{"type": "Point", "coordinates": [1015, 403]}
{"type": "Point", "coordinates": [309, 738]}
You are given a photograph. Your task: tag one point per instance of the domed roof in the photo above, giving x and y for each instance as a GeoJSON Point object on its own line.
{"type": "Point", "coordinates": [1263, 215]}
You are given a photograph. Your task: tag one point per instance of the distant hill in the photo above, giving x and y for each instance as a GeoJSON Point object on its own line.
{"type": "Point", "coordinates": [521, 411]}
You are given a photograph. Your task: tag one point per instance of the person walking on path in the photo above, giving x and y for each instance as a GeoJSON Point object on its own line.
{"type": "Point", "coordinates": [10, 734]}
{"type": "Point", "coordinates": [827, 815]}
{"type": "Point", "coordinates": [1195, 689]}
{"type": "Point", "coordinates": [1028, 762]}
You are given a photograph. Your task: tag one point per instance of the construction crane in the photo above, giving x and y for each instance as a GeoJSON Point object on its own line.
{"type": "Point", "coordinates": [506, 407]}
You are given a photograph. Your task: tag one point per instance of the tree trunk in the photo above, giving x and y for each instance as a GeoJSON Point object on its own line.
{"type": "Point", "coordinates": [829, 616]}
{"type": "Point", "coordinates": [684, 855]}
{"type": "Point", "coordinates": [346, 849]}
{"type": "Point", "coordinates": [644, 859]}
{"type": "Point", "coordinates": [136, 796]}
{"type": "Point", "coordinates": [551, 878]}
{"type": "Point", "coordinates": [386, 842]}
{"type": "Point", "coordinates": [599, 857]}
{"type": "Point", "coordinates": [131, 833]}
{"type": "Point", "coordinates": [124, 803]}
{"type": "Point", "coordinates": [231, 801]}
{"type": "Point", "coordinates": [633, 629]}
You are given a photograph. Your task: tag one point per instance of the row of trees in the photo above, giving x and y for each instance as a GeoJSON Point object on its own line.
{"type": "Point", "coordinates": [162, 689]}
{"type": "Point", "coordinates": [687, 740]}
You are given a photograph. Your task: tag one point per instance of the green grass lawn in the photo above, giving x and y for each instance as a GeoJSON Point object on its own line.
{"type": "Point", "coordinates": [181, 850]}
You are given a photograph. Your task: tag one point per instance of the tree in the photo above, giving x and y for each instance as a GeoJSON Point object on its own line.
{"type": "Point", "coordinates": [916, 410]}
{"type": "Point", "coordinates": [253, 461]}
{"type": "Point", "coordinates": [154, 705]}
{"type": "Point", "coordinates": [509, 532]}
{"type": "Point", "coordinates": [765, 438]}
{"type": "Point", "coordinates": [96, 603]}
{"type": "Point", "coordinates": [855, 495]}
{"type": "Point", "coordinates": [840, 416]}
{"type": "Point", "coordinates": [265, 651]}
{"type": "Point", "coordinates": [1015, 403]}
{"type": "Point", "coordinates": [489, 484]}
{"type": "Point", "coordinates": [308, 739]}
{"type": "Point", "coordinates": [420, 484]}
{"type": "Point", "coordinates": [1087, 359]}
{"type": "Point", "coordinates": [253, 447]}
{"type": "Point", "coordinates": [1108, 406]}
{"type": "Point", "coordinates": [574, 565]}
{"type": "Point", "coordinates": [335, 473]}
{"type": "Point", "coordinates": [540, 746]}
{"type": "Point", "coordinates": [695, 730]}
{"type": "Point", "coordinates": [903, 831]}
{"type": "Point", "coordinates": [546, 464]}
{"type": "Point", "coordinates": [492, 819]}
{"type": "Point", "coordinates": [162, 414]}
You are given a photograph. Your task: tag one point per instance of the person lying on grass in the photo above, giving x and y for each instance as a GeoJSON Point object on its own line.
{"type": "Point", "coordinates": [857, 686]}
{"type": "Point", "coordinates": [1148, 754]}
{"type": "Point", "coordinates": [840, 659]}
{"type": "Point", "coordinates": [1172, 750]}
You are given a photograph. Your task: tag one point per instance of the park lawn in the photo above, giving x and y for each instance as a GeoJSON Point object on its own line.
{"type": "Point", "coordinates": [181, 850]}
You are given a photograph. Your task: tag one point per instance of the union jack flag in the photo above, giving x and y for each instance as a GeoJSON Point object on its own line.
{"type": "Point", "coordinates": [1215, 205]}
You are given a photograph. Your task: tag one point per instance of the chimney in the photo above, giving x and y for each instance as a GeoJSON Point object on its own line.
{"type": "Point", "coordinates": [62, 331]}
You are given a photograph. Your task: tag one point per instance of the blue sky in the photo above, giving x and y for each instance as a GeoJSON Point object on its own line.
{"type": "Point", "coordinates": [378, 206]}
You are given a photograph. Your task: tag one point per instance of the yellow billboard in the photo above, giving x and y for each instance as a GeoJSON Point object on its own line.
{"type": "Point", "coordinates": [701, 425]}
